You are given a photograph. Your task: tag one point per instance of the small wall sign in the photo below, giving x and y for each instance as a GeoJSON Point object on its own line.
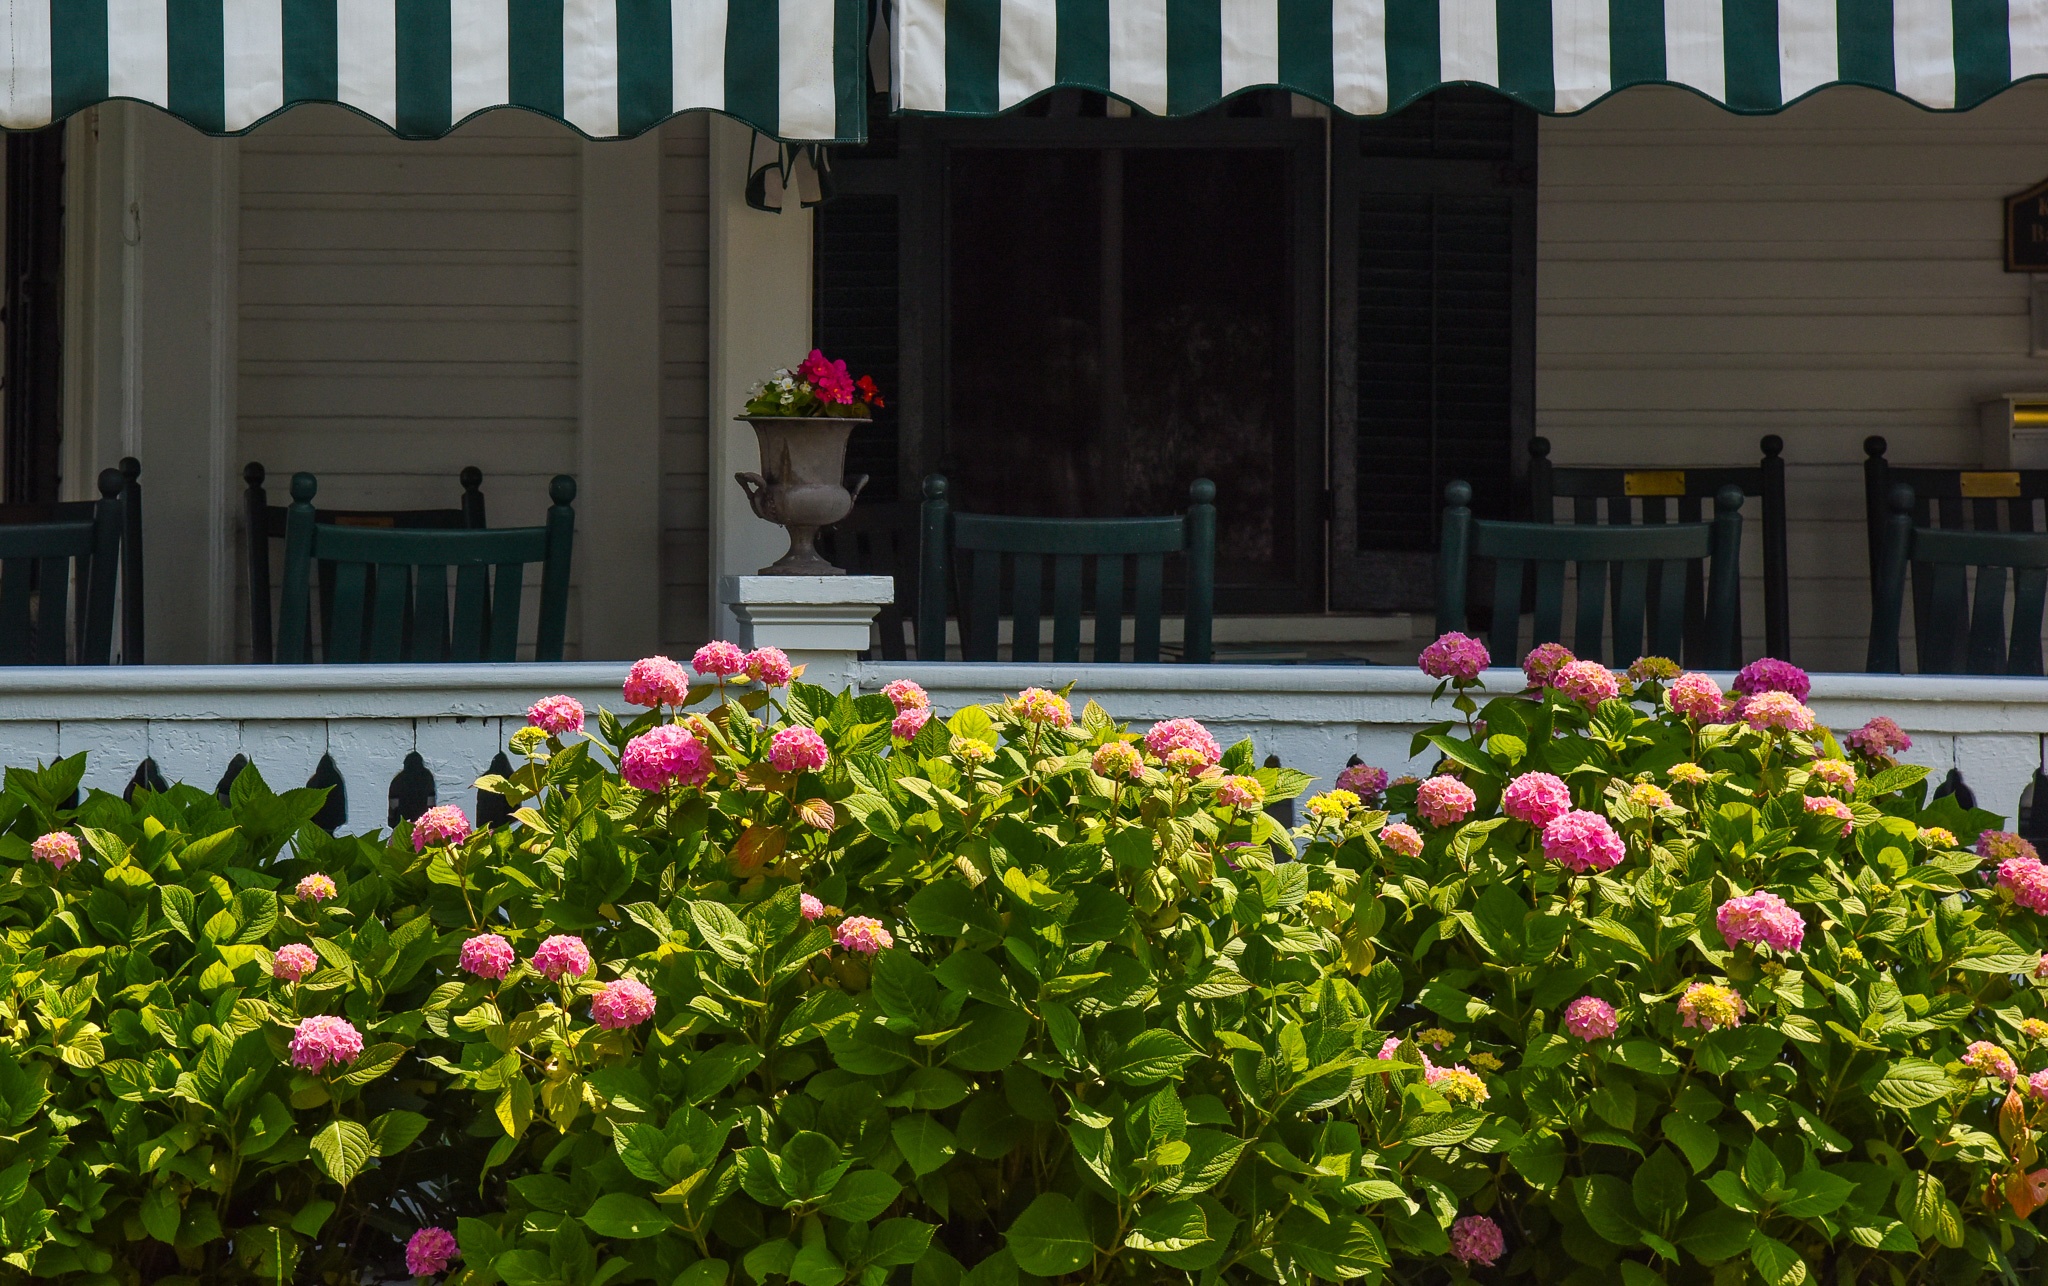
{"type": "Point", "coordinates": [2026, 230]}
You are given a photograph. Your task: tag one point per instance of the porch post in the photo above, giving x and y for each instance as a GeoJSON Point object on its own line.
{"type": "Point", "coordinates": [760, 292]}
{"type": "Point", "coordinates": [821, 621]}
{"type": "Point", "coordinates": [618, 509]}
{"type": "Point", "coordinates": [151, 360]}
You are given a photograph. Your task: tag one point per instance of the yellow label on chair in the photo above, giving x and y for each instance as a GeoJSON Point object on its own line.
{"type": "Point", "coordinates": [2029, 415]}
{"type": "Point", "coordinates": [1991, 486]}
{"type": "Point", "coordinates": [1653, 482]}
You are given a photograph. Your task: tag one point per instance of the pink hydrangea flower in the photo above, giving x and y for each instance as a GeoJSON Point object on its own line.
{"type": "Point", "coordinates": [1170, 735]}
{"type": "Point", "coordinates": [1761, 917]}
{"type": "Point", "coordinates": [906, 695]}
{"type": "Point", "coordinates": [1456, 1082]}
{"type": "Point", "coordinates": [664, 754]}
{"type": "Point", "coordinates": [430, 1251]}
{"type": "Point", "coordinates": [720, 659]}
{"type": "Point", "coordinates": [1769, 675]}
{"type": "Point", "coordinates": [487, 956]}
{"type": "Point", "coordinates": [909, 722]}
{"type": "Point", "coordinates": [797, 750]}
{"type": "Point", "coordinates": [2037, 1084]}
{"type": "Point", "coordinates": [1118, 761]}
{"type": "Point", "coordinates": [1402, 838]}
{"type": "Point", "coordinates": [1544, 661]}
{"type": "Point", "coordinates": [293, 962]}
{"type": "Point", "coordinates": [1475, 1239]}
{"type": "Point", "coordinates": [622, 1003]}
{"type": "Point", "coordinates": [1586, 682]}
{"type": "Point", "coordinates": [1780, 710]}
{"type": "Point", "coordinates": [1591, 1018]}
{"type": "Point", "coordinates": [1829, 806]}
{"type": "Point", "coordinates": [556, 716]}
{"type": "Point", "coordinates": [57, 848]}
{"type": "Point", "coordinates": [1698, 698]}
{"type": "Point", "coordinates": [1036, 705]}
{"type": "Point", "coordinates": [657, 681]}
{"type": "Point", "coordinates": [1708, 1005]}
{"type": "Point", "coordinates": [770, 667]}
{"type": "Point", "coordinates": [1444, 800]}
{"type": "Point", "coordinates": [1835, 774]}
{"type": "Point", "coordinates": [1364, 781]}
{"type": "Point", "coordinates": [322, 1041]}
{"type": "Point", "coordinates": [1240, 792]}
{"type": "Point", "coordinates": [316, 888]}
{"type": "Point", "coordinates": [1581, 841]}
{"type": "Point", "coordinates": [2041, 967]}
{"type": "Point", "coordinates": [862, 934]}
{"type": "Point", "coordinates": [1996, 846]}
{"type": "Point", "coordinates": [2028, 880]}
{"type": "Point", "coordinates": [1881, 738]}
{"type": "Point", "coordinates": [443, 825]}
{"type": "Point", "coordinates": [1987, 1058]}
{"type": "Point", "coordinates": [1454, 656]}
{"type": "Point", "coordinates": [1537, 798]}
{"type": "Point", "coordinates": [811, 907]}
{"type": "Point", "coordinates": [562, 955]}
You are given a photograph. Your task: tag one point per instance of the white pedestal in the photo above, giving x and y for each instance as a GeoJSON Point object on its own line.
{"type": "Point", "coordinates": [821, 621]}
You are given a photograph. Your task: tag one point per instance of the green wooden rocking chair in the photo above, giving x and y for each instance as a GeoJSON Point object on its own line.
{"type": "Point", "coordinates": [1086, 554]}
{"type": "Point", "coordinates": [1643, 625]}
{"type": "Point", "coordinates": [57, 582]}
{"type": "Point", "coordinates": [390, 586]}
{"type": "Point", "coordinates": [1959, 626]}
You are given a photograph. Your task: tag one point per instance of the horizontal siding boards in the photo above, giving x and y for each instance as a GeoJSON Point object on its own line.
{"type": "Point", "coordinates": [1370, 57]}
{"type": "Point", "coordinates": [608, 68]}
{"type": "Point", "coordinates": [1824, 274]}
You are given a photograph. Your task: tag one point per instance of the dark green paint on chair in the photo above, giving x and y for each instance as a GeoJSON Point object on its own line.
{"type": "Point", "coordinates": [57, 582]}
{"type": "Point", "coordinates": [1089, 560]}
{"type": "Point", "coordinates": [131, 637]}
{"type": "Point", "coordinates": [390, 586]}
{"type": "Point", "coordinates": [1643, 624]}
{"type": "Point", "coordinates": [1962, 628]}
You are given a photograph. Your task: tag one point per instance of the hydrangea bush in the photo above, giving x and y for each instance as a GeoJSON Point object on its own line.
{"type": "Point", "coordinates": [1737, 1003]}
{"type": "Point", "coordinates": [766, 984]}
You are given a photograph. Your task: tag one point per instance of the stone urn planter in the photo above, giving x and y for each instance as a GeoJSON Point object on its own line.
{"type": "Point", "coordinates": [802, 485]}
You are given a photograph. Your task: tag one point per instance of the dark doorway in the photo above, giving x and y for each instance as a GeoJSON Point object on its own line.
{"type": "Point", "coordinates": [1094, 311]}
{"type": "Point", "coordinates": [31, 421]}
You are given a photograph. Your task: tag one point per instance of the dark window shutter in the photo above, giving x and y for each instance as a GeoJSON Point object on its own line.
{"type": "Point", "coordinates": [856, 319]}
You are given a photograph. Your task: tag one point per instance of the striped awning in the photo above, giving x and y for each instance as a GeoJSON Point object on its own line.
{"type": "Point", "coordinates": [608, 68]}
{"type": "Point", "coordinates": [1175, 57]}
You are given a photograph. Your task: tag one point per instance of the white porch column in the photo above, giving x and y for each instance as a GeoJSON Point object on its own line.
{"type": "Point", "coordinates": [618, 500]}
{"type": "Point", "coordinates": [151, 356]}
{"type": "Point", "coordinates": [760, 320]}
{"type": "Point", "coordinates": [821, 621]}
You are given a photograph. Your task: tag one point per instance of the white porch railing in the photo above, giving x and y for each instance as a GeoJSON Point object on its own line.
{"type": "Point", "coordinates": [193, 720]}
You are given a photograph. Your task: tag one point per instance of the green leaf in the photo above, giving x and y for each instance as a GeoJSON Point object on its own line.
{"type": "Point", "coordinates": [1539, 1158]}
{"type": "Point", "coordinates": [391, 1132]}
{"type": "Point", "coordinates": [1659, 1188]}
{"type": "Point", "coordinates": [1050, 1238]}
{"type": "Point", "coordinates": [1170, 1225]}
{"type": "Point", "coordinates": [1727, 1185]}
{"type": "Point", "coordinates": [722, 932]}
{"type": "Point", "coordinates": [626, 1217]}
{"type": "Point", "coordinates": [1762, 1173]}
{"type": "Point", "coordinates": [160, 1214]}
{"type": "Point", "coordinates": [1698, 1141]}
{"type": "Point", "coordinates": [1816, 1192]}
{"type": "Point", "coordinates": [1608, 1204]}
{"type": "Point", "coordinates": [992, 1041]}
{"type": "Point", "coordinates": [1717, 1233]}
{"type": "Point", "coordinates": [524, 1268]}
{"type": "Point", "coordinates": [1153, 1055]}
{"type": "Point", "coordinates": [925, 1144]}
{"type": "Point", "coordinates": [1452, 1003]}
{"type": "Point", "coordinates": [313, 1216]}
{"type": "Point", "coordinates": [1777, 1263]}
{"type": "Point", "coordinates": [376, 1060]}
{"type": "Point", "coordinates": [897, 1241]}
{"type": "Point", "coordinates": [861, 1195]}
{"type": "Point", "coordinates": [1912, 1082]}
{"type": "Point", "coordinates": [180, 908]}
{"type": "Point", "coordinates": [342, 1150]}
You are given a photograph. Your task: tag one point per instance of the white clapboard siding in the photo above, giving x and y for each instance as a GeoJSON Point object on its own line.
{"type": "Point", "coordinates": [1825, 274]}
{"type": "Point", "coordinates": [409, 308]}
{"type": "Point", "coordinates": [685, 353]}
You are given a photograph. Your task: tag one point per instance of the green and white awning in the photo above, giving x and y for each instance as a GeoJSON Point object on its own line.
{"type": "Point", "coordinates": [1174, 57]}
{"type": "Point", "coordinates": [609, 68]}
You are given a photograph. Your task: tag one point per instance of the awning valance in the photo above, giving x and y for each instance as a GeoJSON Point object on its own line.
{"type": "Point", "coordinates": [608, 68]}
{"type": "Point", "coordinates": [1175, 57]}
